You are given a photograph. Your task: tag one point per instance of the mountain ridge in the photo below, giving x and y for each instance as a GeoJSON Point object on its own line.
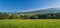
{"type": "Point", "coordinates": [44, 11]}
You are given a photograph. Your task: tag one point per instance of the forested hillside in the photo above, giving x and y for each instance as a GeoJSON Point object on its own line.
{"type": "Point", "coordinates": [35, 16]}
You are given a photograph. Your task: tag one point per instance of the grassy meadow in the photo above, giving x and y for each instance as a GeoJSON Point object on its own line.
{"type": "Point", "coordinates": [42, 23]}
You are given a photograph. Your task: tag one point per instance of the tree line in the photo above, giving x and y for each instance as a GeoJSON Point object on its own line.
{"type": "Point", "coordinates": [35, 16]}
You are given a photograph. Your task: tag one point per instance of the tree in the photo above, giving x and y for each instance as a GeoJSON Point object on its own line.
{"type": "Point", "coordinates": [1, 15]}
{"type": "Point", "coordinates": [34, 17]}
{"type": "Point", "coordinates": [13, 17]}
{"type": "Point", "coordinates": [6, 16]}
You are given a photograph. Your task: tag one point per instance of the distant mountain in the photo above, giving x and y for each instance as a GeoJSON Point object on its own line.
{"type": "Point", "coordinates": [43, 11]}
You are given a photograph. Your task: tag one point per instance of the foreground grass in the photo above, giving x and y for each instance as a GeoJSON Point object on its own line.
{"type": "Point", "coordinates": [30, 23]}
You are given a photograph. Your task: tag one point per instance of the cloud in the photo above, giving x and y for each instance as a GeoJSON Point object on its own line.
{"type": "Point", "coordinates": [55, 4]}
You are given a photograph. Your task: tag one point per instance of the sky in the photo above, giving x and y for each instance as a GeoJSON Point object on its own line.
{"type": "Point", "coordinates": [27, 5]}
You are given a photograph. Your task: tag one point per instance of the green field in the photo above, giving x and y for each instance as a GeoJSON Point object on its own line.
{"type": "Point", "coordinates": [52, 23]}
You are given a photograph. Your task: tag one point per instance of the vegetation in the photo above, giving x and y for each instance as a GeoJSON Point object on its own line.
{"type": "Point", "coordinates": [30, 16]}
{"type": "Point", "coordinates": [40, 20]}
{"type": "Point", "coordinates": [42, 23]}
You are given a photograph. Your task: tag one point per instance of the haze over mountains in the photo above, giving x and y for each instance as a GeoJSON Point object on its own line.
{"type": "Point", "coordinates": [43, 11]}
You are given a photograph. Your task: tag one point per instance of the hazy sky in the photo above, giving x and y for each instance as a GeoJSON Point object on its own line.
{"type": "Point", "coordinates": [26, 5]}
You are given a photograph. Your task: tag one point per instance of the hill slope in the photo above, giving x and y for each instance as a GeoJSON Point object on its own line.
{"type": "Point", "coordinates": [44, 11]}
